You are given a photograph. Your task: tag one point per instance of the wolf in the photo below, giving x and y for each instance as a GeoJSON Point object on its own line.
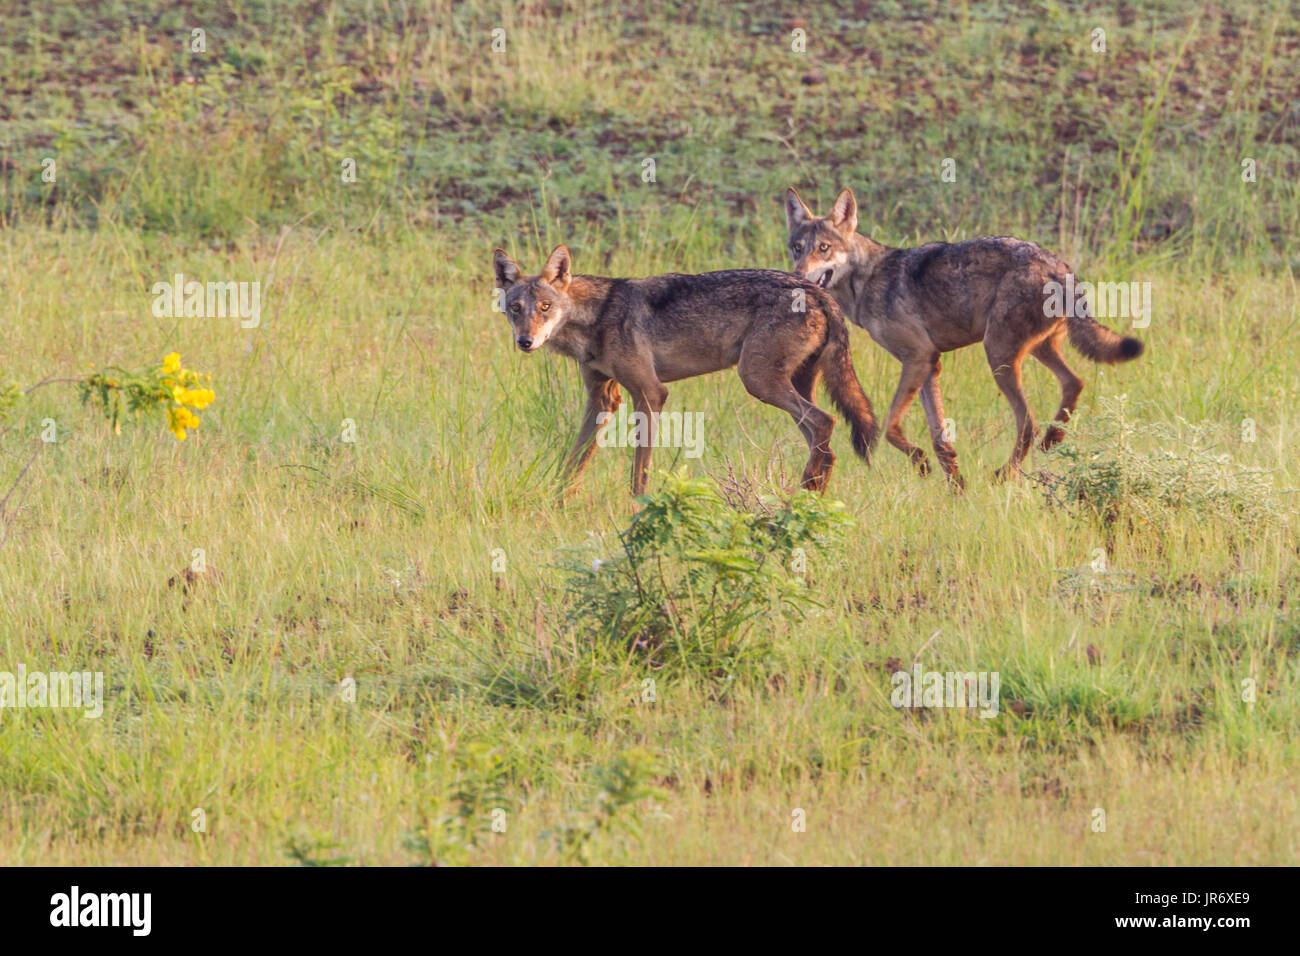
{"type": "Point", "coordinates": [919, 303]}
{"type": "Point", "coordinates": [783, 334]}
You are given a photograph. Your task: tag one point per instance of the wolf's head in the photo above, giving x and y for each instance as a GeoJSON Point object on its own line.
{"type": "Point", "coordinates": [536, 306]}
{"type": "Point", "coordinates": [821, 247]}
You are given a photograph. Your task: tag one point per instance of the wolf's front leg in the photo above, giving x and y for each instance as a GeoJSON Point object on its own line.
{"type": "Point", "coordinates": [648, 400]}
{"type": "Point", "coordinates": [932, 402]}
{"type": "Point", "coordinates": [603, 395]}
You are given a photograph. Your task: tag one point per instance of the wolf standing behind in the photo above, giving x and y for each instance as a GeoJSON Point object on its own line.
{"type": "Point", "coordinates": [919, 303]}
{"type": "Point", "coordinates": [782, 332]}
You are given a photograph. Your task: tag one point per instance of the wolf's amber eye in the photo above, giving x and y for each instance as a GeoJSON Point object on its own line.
{"type": "Point", "coordinates": [545, 307]}
{"type": "Point", "coordinates": [797, 246]}
{"type": "Point", "coordinates": [824, 248]}
{"type": "Point", "coordinates": [515, 308]}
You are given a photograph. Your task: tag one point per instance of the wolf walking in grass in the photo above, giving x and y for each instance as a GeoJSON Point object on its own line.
{"type": "Point", "coordinates": [919, 303]}
{"type": "Point", "coordinates": [783, 333]}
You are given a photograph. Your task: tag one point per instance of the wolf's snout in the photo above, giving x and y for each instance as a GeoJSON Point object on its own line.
{"type": "Point", "coordinates": [525, 343]}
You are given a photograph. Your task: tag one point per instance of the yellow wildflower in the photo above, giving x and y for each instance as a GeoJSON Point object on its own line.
{"type": "Point", "coordinates": [174, 423]}
{"type": "Point", "coordinates": [198, 397]}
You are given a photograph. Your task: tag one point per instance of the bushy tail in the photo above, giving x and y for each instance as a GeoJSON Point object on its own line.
{"type": "Point", "coordinates": [836, 364]}
{"type": "Point", "coordinates": [1097, 342]}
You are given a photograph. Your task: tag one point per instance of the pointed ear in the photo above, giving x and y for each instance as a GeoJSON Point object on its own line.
{"type": "Point", "coordinates": [844, 214]}
{"type": "Point", "coordinates": [558, 269]}
{"type": "Point", "coordinates": [505, 270]}
{"type": "Point", "coordinates": [795, 211]}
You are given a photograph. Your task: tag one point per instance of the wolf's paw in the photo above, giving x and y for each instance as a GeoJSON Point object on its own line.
{"type": "Point", "coordinates": [1052, 437]}
{"type": "Point", "coordinates": [817, 475]}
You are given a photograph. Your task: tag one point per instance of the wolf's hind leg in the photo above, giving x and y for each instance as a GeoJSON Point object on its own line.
{"type": "Point", "coordinates": [805, 380]}
{"type": "Point", "coordinates": [1049, 353]}
{"type": "Point", "coordinates": [768, 383]}
{"type": "Point", "coordinates": [1004, 357]}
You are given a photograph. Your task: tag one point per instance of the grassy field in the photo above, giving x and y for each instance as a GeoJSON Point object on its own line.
{"type": "Point", "coordinates": [393, 661]}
